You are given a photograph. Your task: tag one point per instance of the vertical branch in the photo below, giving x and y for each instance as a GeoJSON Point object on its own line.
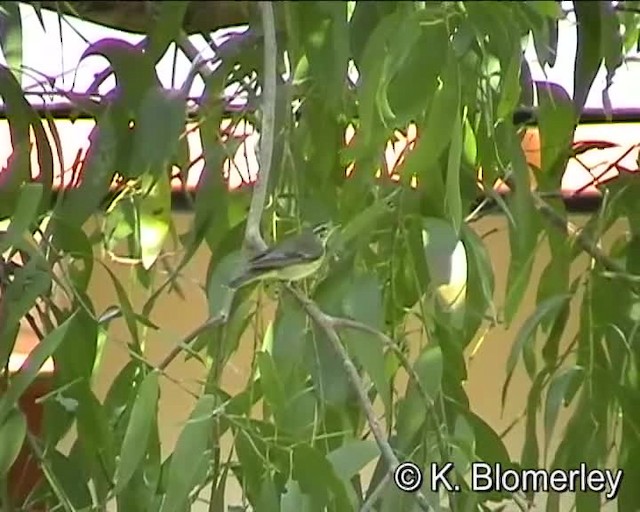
{"type": "Point", "coordinates": [253, 239]}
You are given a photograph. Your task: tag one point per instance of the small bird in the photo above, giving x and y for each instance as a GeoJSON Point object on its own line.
{"type": "Point", "coordinates": [294, 258]}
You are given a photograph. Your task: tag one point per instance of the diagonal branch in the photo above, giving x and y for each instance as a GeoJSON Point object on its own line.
{"type": "Point", "coordinates": [578, 235]}
{"type": "Point", "coordinates": [253, 239]}
{"type": "Point", "coordinates": [328, 324]}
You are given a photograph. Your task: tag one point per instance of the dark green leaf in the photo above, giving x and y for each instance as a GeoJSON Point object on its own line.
{"type": "Point", "coordinates": [12, 432]}
{"type": "Point", "coordinates": [510, 86]}
{"type": "Point", "coordinates": [548, 8]}
{"type": "Point", "coordinates": [72, 480]}
{"type": "Point", "coordinates": [125, 307]}
{"type": "Point", "coordinates": [363, 303]}
{"type": "Point", "coordinates": [435, 134]}
{"type": "Point", "coordinates": [429, 368]}
{"type": "Point", "coordinates": [350, 458]}
{"type": "Point", "coordinates": [154, 213]}
{"type": "Point", "coordinates": [23, 217]}
{"type": "Point", "coordinates": [526, 334]}
{"type": "Point", "coordinates": [316, 477]}
{"type": "Point", "coordinates": [166, 28]}
{"type": "Point", "coordinates": [371, 73]}
{"type": "Point", "coordinates": [97, 172]}
{"type": "Point", "coordinates": [523, 228]}
{"type": "Point", "coordinates": [22, 118]}
{"type": "Point", "coordinates": [32, 365]}
{"type": "Point", "coordinates": [289, 331]}
{"type": "Point", "coordinates": [272, 387]}
{"type": "Point", "coordinates": [218, 291]}
{"type": "Point", "coordinates": [159, 124]}
{"type": "Point", "coordinates": [589, 16]}
{"type": "Point", "coordinates": [136, 439]}
{"type": "Point", "coordinates": [190, 452]}
{"type": "Point", "coordinates": [11, 37]}
{"type": "Point", "coordinates": [133, 71]}
{"type": "Point", "coordinates": [453, 200]}
{"type": "Point", "coordinates": [530, 450]}
{"type": "Point", "coordinates": [556, 122]}
{"type": "Point", "coordinates": [556, 397]}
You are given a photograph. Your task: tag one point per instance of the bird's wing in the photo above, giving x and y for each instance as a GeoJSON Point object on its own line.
{"type": "Point", "coordinates": [278, 258]}
{"type": "Point", "coordinates": [298, 250]}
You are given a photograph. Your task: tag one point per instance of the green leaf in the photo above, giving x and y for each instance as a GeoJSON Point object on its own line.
{"type": "Point", "coordinates": [523, 226]}
{"type": "Point", "coordinates": [480, 271]}
{"type": "Point", "coordinates": [12, 432]}
{"type": "Point", "coordinates": [159, 124]}
{"type": "Point", "coordinates": [470, 145]}
{"type": "Point", "coordinates": [22, 118]}
{"type": "Point", "coordinates": [429, 368]}
{"type": "Point", "coordinates": [526, 334]}
{"type": "Point", "coordinates": [136, 439]}
{"type": "Point", "coordinates": [371, 73]}
{"type": "Point", "coordinates": [133, 71]}
{"type": "Point", "coordinates": [435, 133]}
{"type": "Point", "coordinates": [191, 447]}
{"type": "Point", "coordinates": [289, 331]}
{"type": "Point", "coordinates": [32, 365]}
{"type": "Point", "coordinates": [72, 480]}
{"type": "Point", "coordinates": [453, 200]}
{"type": "Point", "coordinates": [611, 47]}
{"type": "Point", "coordinates": [11, 37]}
{"type": "Point", "coordinates": [349, 459]}
{"type": "Point", "coordinates": [76, 361]}
{"type": "Point", "coordinates": [556, 123]}
{"type": "Point", "coordinates": [510, 86]}
{"type": "Point", "coordinates": [556, 397]}
{"type": "Point", "coordinates": [24, 215]}
{"type": "Point", "coordinates": [272, 387]}
{"type": "Point", "coordinates": [398, 51]}
{"type": "Point", "coordinates": [95, 438]}
{"type": "Point", "coordinates": [589, 18]}
{"type": "Point", "coordinates": [154, 211]}
{"type": "Point", "coordinates": [71, 240]}
{"type": "Point", "coordinates": [548, 8]}
{"type": "Point", "coordinates": [97, 173]}
{"type": "Point", "coordinates": [363, 303]}
{"type": "Point", "coordinates": [407, 97]}
{"type": "Point", "coordinates": [324, 30]}
{"type": "Point", "coordinates": [316, 477]}
{"type": "Point", "coordinates": [166, 28]}
{"type": "Point", "coordinates": [294, 500]}
{"type": "Point", "coordinates": [531, 451]}
{"type": "Point", "coordinates": [125, 307]}
{"type": "Point", "coordinates": [218, 292]}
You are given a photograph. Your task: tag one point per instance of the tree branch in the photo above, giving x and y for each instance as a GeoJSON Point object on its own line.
{"type": "Point", "coordinates": [327, 324]}
{"type": "Point", "coordinates": [574, 233]}
{"type": "Point", "coordinates": [253, 239]}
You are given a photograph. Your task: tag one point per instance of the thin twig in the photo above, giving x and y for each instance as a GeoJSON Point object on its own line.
{"type": "Point", "coordinates": [375, 495]}
{"type": "Point", "coordinates": [189, 340]}
{"type": "Point", "coordinates": [326, 324]}
{"type": "Point", "coordinates": [348, 323]}
{"type": "Point", "coordinates": [253, 239]}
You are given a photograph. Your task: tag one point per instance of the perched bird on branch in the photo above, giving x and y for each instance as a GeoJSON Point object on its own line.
{"type": "Point", "coordinates": [295, 258]}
